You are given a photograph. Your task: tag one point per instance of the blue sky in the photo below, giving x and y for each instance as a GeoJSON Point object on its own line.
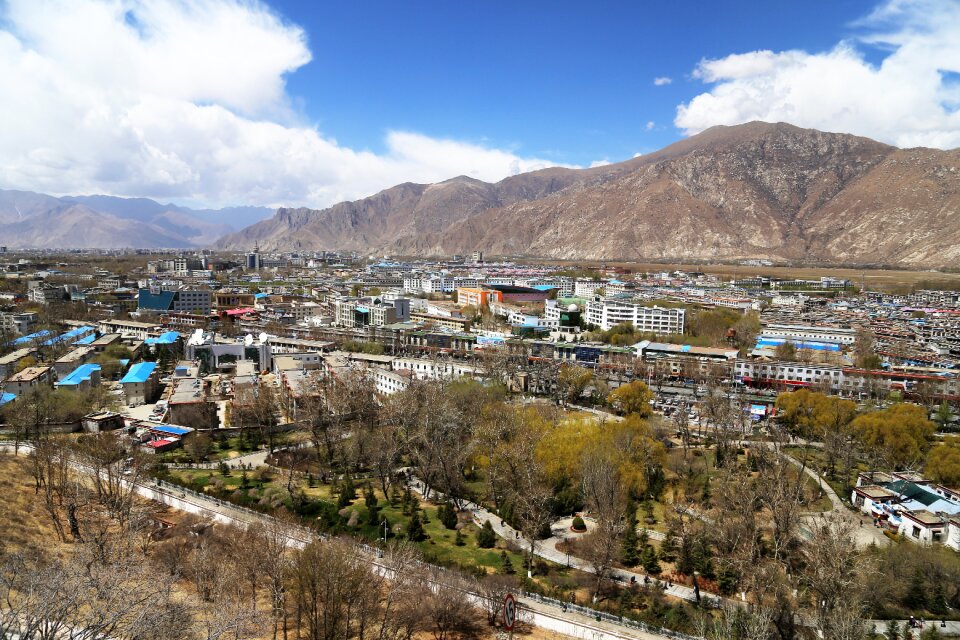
{"type": "Point", "coordinates": [568, 81]}
{"type": "Point", "coordinates": [297, 103]}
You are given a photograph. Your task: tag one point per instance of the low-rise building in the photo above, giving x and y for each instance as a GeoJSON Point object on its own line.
{"type": "Point", "coordinates": [141, 384]}
{"type": "Point", "coordinates": [82, 378]}
{"type": "Point", "coordinates": [10, 362]}
{"type": "Point", "coordinates": [29, 378]}
{"type": "Point", "coordinates": [188, 405]}
{"type": "Point", "coordinates": [102, 421]}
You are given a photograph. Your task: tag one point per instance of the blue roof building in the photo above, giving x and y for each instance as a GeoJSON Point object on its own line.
{"type": "Point", "coordinates": [169, 337]}
{"type": "Point", "coordinates": [84, 375]}
{"type": "Point", "coordinates": [31, 337]}
{"type": "Point", "coordinates": [139, 372]}
{"type": "Point", "coordinates": [72, 335]}
{"type": "Point", "coordinates": [140, 384]}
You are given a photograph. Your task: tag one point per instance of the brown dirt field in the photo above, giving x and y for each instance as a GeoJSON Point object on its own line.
{"type": "Point", "coordinates": [26, 526]}
{"type": "Point", "coordinates": [878, 279]}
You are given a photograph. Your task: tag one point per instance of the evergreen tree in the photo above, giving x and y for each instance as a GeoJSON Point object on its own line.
{"type": "Point", "coordinates": [459, 539]}
{"type": "Point", "coordinates": [415, 530]}
{"type": "Point", "coordinates": [369, 497]}
{"type": "Point", "coordinates": [916, 596]}
{"type": "Point", "coordinates": [486, 537]}
{"type": "Point", "coordinates": [373, 515]}
{"type": "Point", "coordinates": [685, 559]}
{"type": "Point", "coordinates": [668, 549]}
{"type": "Point", "coordinates": [447, 515]}
{"type": "Point", "coordinates": [506, 566]}
{"type": "Point", "coordinates": [938, 599]}
{"type": "Point", "coordinates": [630, 554]}
{"type": "Point", "coordinates": [649, 560]}
{"type": "Point", "coordinates": [893, 630]}
{"type": "Point", "coordinates": [930, 633]}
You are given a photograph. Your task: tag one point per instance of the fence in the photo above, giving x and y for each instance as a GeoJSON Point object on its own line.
{"type": "Point", "coordinates": [603, 616]}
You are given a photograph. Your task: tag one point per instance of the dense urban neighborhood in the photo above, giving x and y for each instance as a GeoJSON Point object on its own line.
{"type": "Point", "coordinates": [633, 453]}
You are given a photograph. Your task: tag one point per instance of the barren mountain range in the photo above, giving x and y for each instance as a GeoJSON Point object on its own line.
{"type": "Point", "coordinates": [32, 220]}
{"type": "Point", "coordinates": [755, 190]}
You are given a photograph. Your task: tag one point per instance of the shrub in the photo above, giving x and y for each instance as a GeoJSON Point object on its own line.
{"type": "Point", "coordinates": [579, 524]}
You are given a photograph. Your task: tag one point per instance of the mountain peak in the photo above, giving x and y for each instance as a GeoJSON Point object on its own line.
{"type": "Point", "coordinates": [758, 189]}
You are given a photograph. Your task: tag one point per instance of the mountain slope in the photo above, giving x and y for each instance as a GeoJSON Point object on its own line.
{"type": "Point", "coordinates": [78, 226]}
{"type": "Point", "coordinates": [753, 190]}
{"type": "Point", "coordinates": [37, 220]}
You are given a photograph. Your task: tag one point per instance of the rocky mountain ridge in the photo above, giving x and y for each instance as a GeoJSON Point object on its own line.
{"type": "Point", "coordinates": [756, 190]}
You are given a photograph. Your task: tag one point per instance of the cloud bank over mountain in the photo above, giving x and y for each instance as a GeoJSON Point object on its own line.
{"type": "Point", "coordinates": [909, 99]}
{"type": "Point", "coordinates": [186, 99]}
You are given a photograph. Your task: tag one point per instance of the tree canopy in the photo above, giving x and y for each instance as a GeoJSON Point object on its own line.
{"type": "Point", "coordinates": [943, 462]}
{"type": "Point", "coordinates": [899, 435]}
{"type": "Point", "coordinates": [630, 398]}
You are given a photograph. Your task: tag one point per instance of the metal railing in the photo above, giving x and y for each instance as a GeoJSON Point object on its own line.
{"type": "Point", "coordinates": [604, 616]}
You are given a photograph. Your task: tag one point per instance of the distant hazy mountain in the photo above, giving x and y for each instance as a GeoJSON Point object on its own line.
{"type": "Point", "coordinates": [37, 220]}
{"type": "Point", "coordinates": [756, 190]}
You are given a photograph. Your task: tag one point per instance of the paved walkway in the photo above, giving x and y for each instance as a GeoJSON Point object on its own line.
{"type": "Point", "coordinates": [547, 549]}
{"type": "Point", "coordinates": [864, 535]}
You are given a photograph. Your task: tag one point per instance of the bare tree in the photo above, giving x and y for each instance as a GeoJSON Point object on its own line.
{"type": "Point", "coordinates": [603, 493]}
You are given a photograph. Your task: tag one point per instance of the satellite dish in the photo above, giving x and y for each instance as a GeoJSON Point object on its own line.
{"type": "Point", "coordinates": [264, 337]}
{"type": "Point", "coordinates": [248, 340]}
{"type": "Point", "coordinates": [572, 307]}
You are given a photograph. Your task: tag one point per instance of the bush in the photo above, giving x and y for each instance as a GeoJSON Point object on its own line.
{"type": "Point", "coordinates": [579, 524]}
{"type": "Point", "coordinates": [486, 537]}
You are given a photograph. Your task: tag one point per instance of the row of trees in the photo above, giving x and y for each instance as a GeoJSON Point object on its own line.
{"type": "Point", "coordinates": [897, 437]}
{"type": "Point", "coordinates": [120, 573]}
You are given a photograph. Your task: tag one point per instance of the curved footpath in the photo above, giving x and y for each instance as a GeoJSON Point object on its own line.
{"type": "Point", "coordinates": [575, 622]}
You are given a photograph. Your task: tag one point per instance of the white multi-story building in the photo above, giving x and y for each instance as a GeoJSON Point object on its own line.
{"type": "Point", "coordinates": [802, 333]}
{"type": "Point", "coordinates": [436, 285]}
{"type": "Point", "coordinates": [607, 314]}
{"type": "Point", "coordinates": [466, 281]}
{"type": "Point", "coordinates": [362, 312]}
{"type": "Point", "coordinates": [788, 373]}
{"type": "Point", "coordinates": [587, 288]}
{"type": "Point", "coordinates": [424, 369]}
{"type": "Point", "coordinates": [413, 284]}
{"type": "Point", "coordinates": [390, 382]}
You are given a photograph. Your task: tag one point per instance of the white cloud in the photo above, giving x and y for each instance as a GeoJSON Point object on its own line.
{"type": "Point", "coordinates": [186, 99]}
{"type": "Point", "coordinates": [906, 100]}
{"type": "Point", "coordinates": [662, 80]}
{"type": "Point", "coordinates": [599, 163]}
{"type": "Point", "coordinates": [650, 125]}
